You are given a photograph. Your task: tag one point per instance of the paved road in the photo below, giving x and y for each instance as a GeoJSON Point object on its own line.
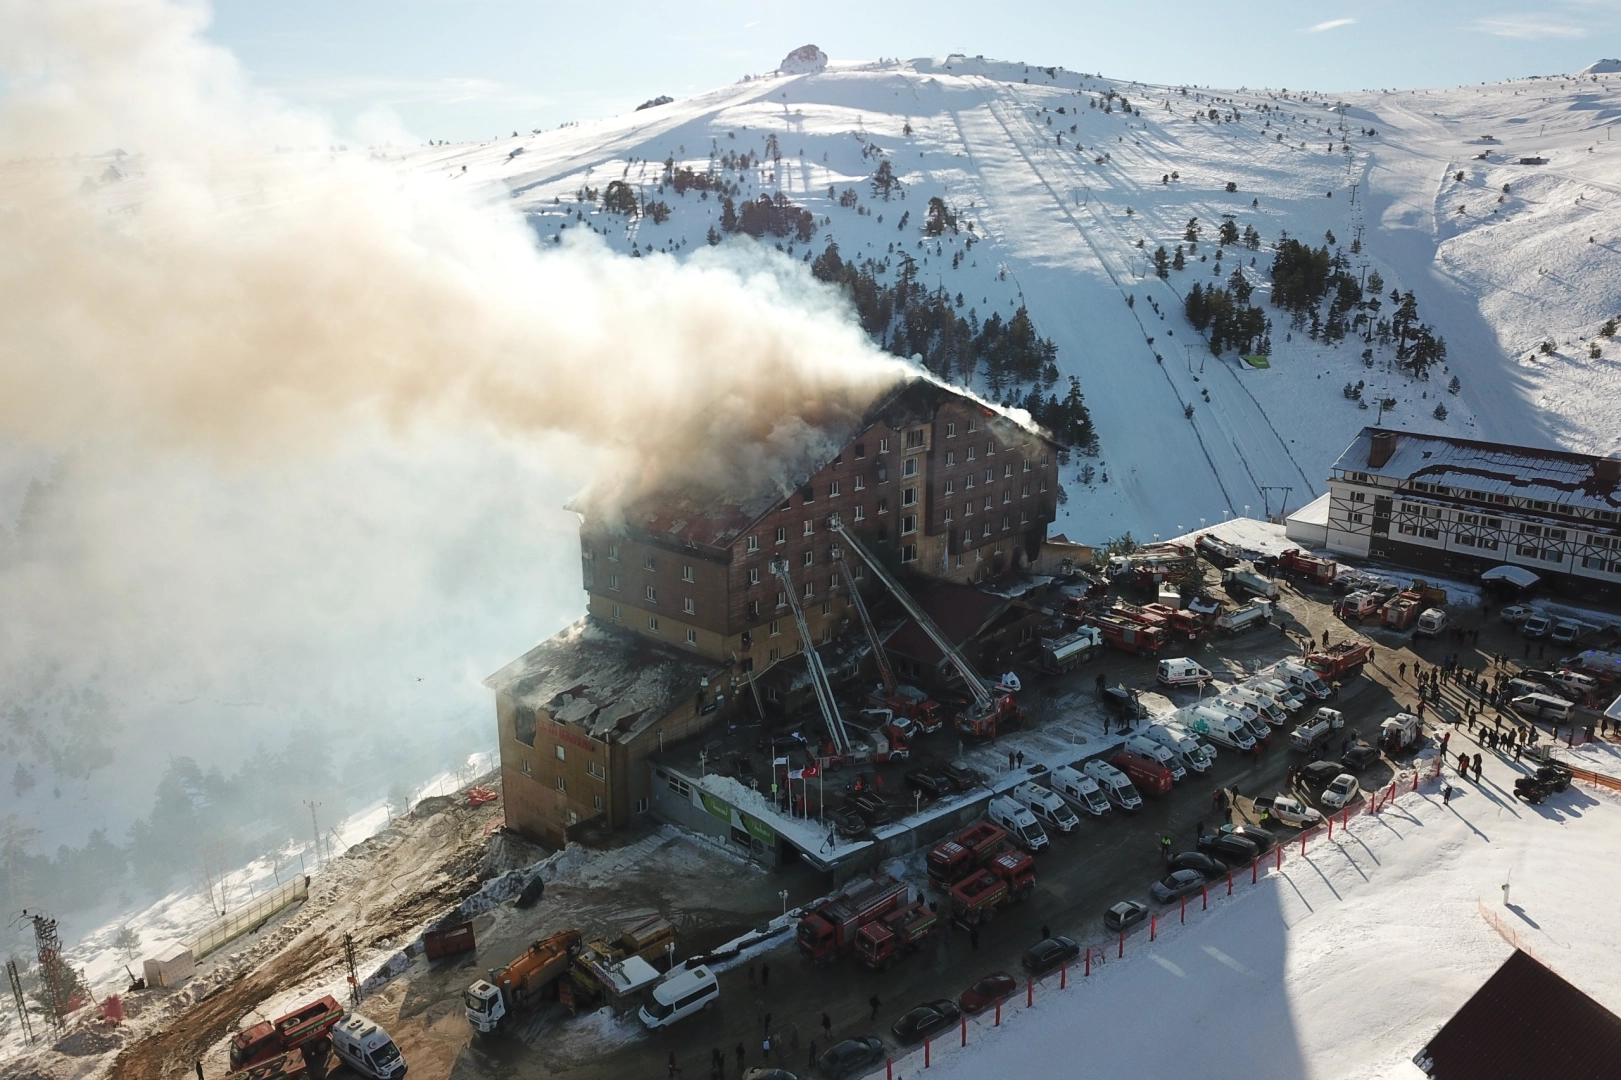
{"type": "Point", "coordinates": [1103, 862]}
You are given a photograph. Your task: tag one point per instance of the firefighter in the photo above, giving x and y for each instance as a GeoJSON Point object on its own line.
{"type": "Point", "coordinates": [1165, 847]}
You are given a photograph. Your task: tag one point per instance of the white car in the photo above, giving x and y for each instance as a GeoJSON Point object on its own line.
{"type": "Point", "coordinates": [1291, 811]}
{"type": "Point", "coordinates": [1516, 614]}
{"type": "Point", "coordinates": [1340, 792]}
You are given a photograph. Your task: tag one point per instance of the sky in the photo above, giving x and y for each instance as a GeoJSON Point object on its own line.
{"type": "Point", "coordinates": [409, 70]}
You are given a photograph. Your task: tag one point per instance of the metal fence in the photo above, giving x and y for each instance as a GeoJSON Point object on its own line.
{"type": "Point", "coordinates": [244, 920]}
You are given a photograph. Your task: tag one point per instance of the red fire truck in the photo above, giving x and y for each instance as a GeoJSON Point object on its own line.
{"type": "Point", "coordinates": [831, 928]}
{"type": "Point", "coordinates": [1008, 878]}
{"type": "Point", "coordinates": [952, 860]}
{"type": "Point", "coordinates": [1341, 659]}
{"type": "Point", "coordinates": [904, 930]}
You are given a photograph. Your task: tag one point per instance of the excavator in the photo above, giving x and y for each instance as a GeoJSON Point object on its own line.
{"type": "Point", "coordinates": [984, 715]}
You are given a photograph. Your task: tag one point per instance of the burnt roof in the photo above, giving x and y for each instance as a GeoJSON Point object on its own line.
{"type": "Point", "coordinates": [603, 678]}
{"type": "Point", "coordinates": [719, 521]}
{"type": "Point", "coordinates": [1524, 1022]}
{"type": "Point", "coordinates": [1524, 472]}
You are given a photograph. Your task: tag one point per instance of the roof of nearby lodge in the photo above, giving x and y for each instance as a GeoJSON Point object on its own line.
{"type": "Point", "coordinates": [720, 522]}
{"type": "Point", "coordinates": [960, 611]}
{"type": "Point", "coordinates": [602, 678]}
{"type": "Point", "coordinates": [1560, 477]}
{"type": "Point", "coordinates": [1525, 1021]}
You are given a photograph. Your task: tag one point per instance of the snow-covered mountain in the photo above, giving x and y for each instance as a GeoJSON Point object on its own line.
{"type": "Point", "coordinates": [1494, 205]}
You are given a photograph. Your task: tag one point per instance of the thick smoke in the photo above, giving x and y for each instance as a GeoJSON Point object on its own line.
{"type": "Point", "coordinates": [311, 415]}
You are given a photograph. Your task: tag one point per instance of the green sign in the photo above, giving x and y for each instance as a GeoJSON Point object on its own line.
{"type": "Point", "coordinates": [715, 806]}
{"type": "Point", "coordinates": [759, 829]}
{"type": "Point", "coordinates": [1257, 361]}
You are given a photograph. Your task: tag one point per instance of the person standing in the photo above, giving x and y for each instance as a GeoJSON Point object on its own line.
{"type": "Point", "coordinates": [1446, 794]}
{"type": "Point", "coordinates": [827, 1026]}
{"type": "Point", "coordinates": [874, 1002]}
{"type": "Point", "coordinates": [742, 1057]}
{"type": "Point", "coordinates": [1401, 671]}
{"type": "Point", "coordinates": [765, 1048]}
{"type": "Point", "coordinates": [765, 975]}
{"type": "Point", "coordinates": [810, 1058]}
{"type": "Point", "coordinates": [199, 1070]}
{"type": "Point", "coordinates": [1478, 760]}
{"type": "Point", "coordinates": [674, 1068]}
{"type": "Point", "coordinates": [1164, 850]}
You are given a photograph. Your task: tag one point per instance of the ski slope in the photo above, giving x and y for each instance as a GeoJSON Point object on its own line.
{"type": "Point", "coordinates": [1060, 202]}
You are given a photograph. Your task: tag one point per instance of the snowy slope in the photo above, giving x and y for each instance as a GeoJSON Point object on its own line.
{"type": "Point", "coordinates": [1058, 231]}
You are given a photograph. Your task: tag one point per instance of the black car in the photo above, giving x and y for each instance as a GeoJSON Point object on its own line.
{"type": "Point", "coordinates": [961, 776]}
{"type": "Point", "coordinates": [1177, 884]}
{"type": "Point", "coordinates": [1123, 702]}
{"type": "Point", "coordinates": [1230, 849]}
{"type": "Point", "coordinates": [851, 1055]}
{"type": "Point", "coordinates": [1049, 953]}
{"type": "Point", "coordinates": [1359, 757]}
{"type": "Point", "coordinates": [929, 780]}
{"type": "Point", "coordinates": [1320, 774]}
{"type": "Point", "coordinates": [925, 1020]}
{"type": "Point", "coordinates": [846, 822]}
{"type": "Point", "coordinates": [1198, 860]}
{"type": "Point", "coordinates": [872, 808]}
{"type": "Point", "coordinates": [1125, 914]}
{"type": "Point", "coordinates": [1263, 840]}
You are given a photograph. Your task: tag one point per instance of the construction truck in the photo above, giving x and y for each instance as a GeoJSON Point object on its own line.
{"type": "Point", "coordinates": [1429, 595]}
{"type": "Point", "coordinates": [522, 984]}
{"type": "Point", "coordinates": [1317, 570]}
{"type": "Point", "coordinates": [1129, 636]}
{"type": "Point", "coordinates": [1008, 878]}
{"type": "Point", "coordinates": [884, 940]}
{"type": "Point", "coordinates": [306, 1030]}
{"type": "Point", "coordinates": [952, 860]}
{"type": "Point", "coordinates": [615, 972]}
{"type": "Point", "coordinates": [1402, 733]}
{"type": "Point", "coordinates": [1341, 659]}
{"type": "Point", "coordinates": [1252, 616]}
{"type": "Point", "coordinates": [1066, 651]}
{"type": "Point", "coordinates": [1217, 551]}
{"type": "Point", "coordinates": [1244, 580]}
{"type": "Point", "coordinates": [831, 927]}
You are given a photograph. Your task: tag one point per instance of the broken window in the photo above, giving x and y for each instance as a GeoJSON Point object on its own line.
{"type": "Point", "coordinates": [880, 472]}
{"type": "Point", "coordinates": [914, 438]}
{"type": "Point", "coordinates": [861, 451]}
{"type": "Point", "coordinates": [754, 610]}
{"type": "Point", "coordinates": [523, 724]}
{"type": "Point", "coordinates": [883, 506]}
{"type": "Point", "coordinates": [807, 493]}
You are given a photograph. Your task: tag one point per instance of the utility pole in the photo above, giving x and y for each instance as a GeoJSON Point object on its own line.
{"type": "Point", "coordinates": [316, 830]}
{"type": "Point", "coordinates": [15, 979]}
{"type": "Point", "coordinates": [354, 972]}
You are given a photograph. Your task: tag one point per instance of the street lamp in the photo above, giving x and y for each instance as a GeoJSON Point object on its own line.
{"type": "Point", "coordinates": [783, 896]}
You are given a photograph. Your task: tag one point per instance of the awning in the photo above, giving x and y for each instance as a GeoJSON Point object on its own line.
{"type": "Point", "coordinates": [1515, 575]}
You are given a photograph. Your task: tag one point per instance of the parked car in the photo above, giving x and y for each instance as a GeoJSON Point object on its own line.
{"type": "Point", "coordinates": [1537, 626]}
{"type": "Point", "coordinates": [962, 777]}
{"type": "Point", "coordinates": [851, 1056]}
{"type": "Point", "coordinates": [1125, 914]}
{"type": "Point", "coordinates": [872, 808]}
{"type": "Point", "coordinates": [1263, 840]}
{"type": "Point", "coordinates": [1515, 614]}
{"type": "Point", "coordinates": [1341, 792]}
{"type": "Point", "coordinates": [1176, 884]}
{"type": "Point", "coordinates": [1198, 860]}
{"type": "Point", "coordinates": [1359, 757]}
{"type": "Point", "coordinates": [1232, 850]}
{"type": "Point", "coordinates": [1319, 774]}
{"type": "Point", "coordinates": [846, 822]}
{"type": "Point", "coordinates": [987, 992]}
{"type": "Point", "coordinates": [1049, 953]}
{"type": "Point", "coordinates": [1566, 632]}
{"type": "Point", "coordinates": [928, 1018]}
{"type": "Point", "coordinates": [1123, 702]}
{"type": "Point", "coordinates": [929, 780]}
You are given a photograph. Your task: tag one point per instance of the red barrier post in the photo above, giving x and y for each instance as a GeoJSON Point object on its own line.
{"type": "Point", "coordinates": [998, 1022]}
{"type": "Point", "coordinates": [1255, 869]}
{"type": "Point", "coordinates": [1153, 927]}
{"type": "Point", "coordinates": [1184, 909]}
{"type": "Point", "coordinates": [1415, 780]}
{"type": "Point", "coordinates": [889, 1068]}
{"type": "Point", "coordinates": [926, 1063]}
{"type": "Point", "coordinates": [1029, 992]}
{"type": "Point", "coordinates": [1229, 883]}
{"type": "Point", "coordinates": [1345, 818]}
{"type": "Point", "coordinates": [965, 1031]}
{"type": "Point", "coordinates": [1122, 943]}
{"type": "Point", "coordinates": [1303, 842]}
{"type": "Point", "coordinates": [1089, 961]}
{"type": "Point", "coordinates": [1330, 820]}
{"type": "Point", "coordinates": [1204, 896]}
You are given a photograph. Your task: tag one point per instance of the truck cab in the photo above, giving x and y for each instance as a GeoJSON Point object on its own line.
{"type": "Point", "coordinates": [1047, 805]}
{"type": "Point", "coordinates": [367, 1049]}
{"type": "Point", "coordinates": [1019, 822]}
{"type": "Point", "coordinates": [1079, 789]}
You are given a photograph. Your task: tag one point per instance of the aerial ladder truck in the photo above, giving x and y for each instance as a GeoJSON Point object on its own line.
{"type": "Point", "coordinates": [985, 715]}
{"type": "Point", "coordinates": [901, 701]}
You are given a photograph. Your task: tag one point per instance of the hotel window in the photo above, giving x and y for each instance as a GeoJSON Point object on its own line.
{"type": "Point", "coordinates": [967, 509]}
{"type": "Point", "coordinates": [1004, 521]}
{"type": "Point", "coordinates": [809, 559]}
{"type": "Point", "coordinates": [1024, 518]}
{"type": "Point", "coordinates": [688, 606]}
{"type": "Point", "coordinates": [613, 582]}
{"type": "Point", "coordinates": [782, 535]}
{"type": "Point", "coordinates": [990, 476]}
{"type": "Point", "coordinates": [1024, 491]}
{"type": "Point", "coordinates": [686, 572]}
{"type": "Point", "coordinates": [861, 483]}
{"type": "Point", "coordinates": [985, 530]}
{"type": "Point", "coordinates": [1007, 470]}
{"type": "Point", "coordinates": [776, 627]}
{"type": "Point", "coordinates": [653, 623]}
{"type": "Point", "coordinates": [951, 458]}
{"type": "Point", "coordinates": [973, 426]}
{"type": "Point", "coordinates": [1007, 495]}
{"type": "Point", "coordinates": [562, 755]}
{"type": "Point", "coordinates": [951, 431]}
{"type": "Point", "coordinates": [1043, 461]}
{"type": "Point", "coordinates": [754, 609]}
{"type": "Point", "coordinates": [652, 595]}
{"type": "Point", "coordinates": [1026, 464]}
{"type": "Point", "coordinates": [810, 527]}
{"type": "Point", "coordinates": [968, 482]}
{"type": "Point", "coordinates": [754, 575]}
{"type": "Point", "coordinates": [909, 467]}
{"type": "Point", "coordinates": [909, 553]}
{"type": "Point", "coordinates": [1043, 485]}
{"type": "Point", "coordinates": [596, 801]}
{"type": "Point", "coordinates": [753, 544]}
{"type": "Point", "coordinates": [990, 448]}
{"type": "Point", "coordinates": [649, 563]}
{"type": "Point", "coordinates": [948, 514]}
{"type": "Point", "coordinates": [595, 769]}
{"type": "Point", "coordinates": [909, 497]}
{"type": "Point", "coordinates": [613, 552]}
{"type": "Point", "coordinates": [861, 513]}
{"type": "Point", "coordinates": [692, 637]}
{"type": "Point", "coordinates": [987, 502]}
{"type": "Point", "coordinates": [619, 613]}
{"type": "Point", "coordinates": [833, 582]}
{"type": "Point", "coordinates": [833, 490]}
{"type": "Point", "coordinates": [525, 764]}
{"type": "Point", "coordinates": [883, 446]}
{"type": "Point", "coordinates": [909, 524]}
{"type": "Point", "coordinates": [883, 506]}
{"type": "Point", "coordinates": [562, 785]}
{"type": "Point", "coordinates": [914, 438]}
{"type": "Point", "coordinates": [969, 456]}
{"type": "Point", "coordinates": [810, 590]}
{"type": "Point", "coordinates": [951, 487]}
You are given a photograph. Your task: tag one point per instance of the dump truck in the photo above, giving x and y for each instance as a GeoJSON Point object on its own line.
{"type": "Point", "coordinates": [831, 927]}
{"type": "Point", "coordinates": [1341, 659]}
{"type": "Point", "coordinates": [1314, 568]}
{"type": "Point", "coordinates": [306, 1030]}
{"type": "Point", "coordinates": [1244, 580]}
{"type": "Point", "coordinates": [614, 972]}
{"type": "Point", "coordinates": [530, 979]}
{"type": "Point", "coordinates": [951, 861]}
{"type": "Point", "coordinates": [1008, 878]}
{"type": "Point", "coordinates": [881, 942]}
{"type": "Point", "coordinates": [1129, 636]}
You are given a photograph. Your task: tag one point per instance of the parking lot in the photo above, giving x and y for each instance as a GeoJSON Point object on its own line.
{"type": "Point", "coordinates": [1079, 876]}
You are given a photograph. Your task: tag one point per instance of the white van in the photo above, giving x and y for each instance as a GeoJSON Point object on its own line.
{"type": "Point", "coordinates": [1180, 741]}
{"type": "Point", "coordinates": [1182, 671]}
{"type": "Point", "coordinates": [1047, 805]}
{"type": "Point", "coordinates": [367, 1049]}
{"type": "Point", "coordinates": [1543, 707]}
{"type": "Point", "coordinates": [1079, 789]}
{"type": "Point", "coordinates": [1281, 692]}
{"type": "Point", "coordinates": [1269, 710]}
{"type": "Point", "coordinates": [1020, 823]}
{"type": "Point", "coordinates": [1301, 677]}
{"type": "Point", "coordinates": [1222, 727]}
{"type": "Point", "coordinates": [1431, 621]}
{"type": "Point", "coordinates": [1116, 788]}
{"type": "Point", "coordinates": [681, 994]}
{"type": "Point", "coordinates": [1251, 717]}
{"type": "Point", "coordinates": [1154, 751]}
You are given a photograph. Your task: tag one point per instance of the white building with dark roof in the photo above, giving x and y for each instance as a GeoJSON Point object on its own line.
{"type": "Point", "coordinates": [1462, 507]}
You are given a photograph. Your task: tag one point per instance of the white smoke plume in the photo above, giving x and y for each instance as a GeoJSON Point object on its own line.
{"type": "Point", "coordinates": [311, 415]}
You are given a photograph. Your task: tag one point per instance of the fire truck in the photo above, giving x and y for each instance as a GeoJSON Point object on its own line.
{"type": "Point", "coordinates": [1314, 568]}
{"type": "Point", "coordinates": [1178, 622]}
{"type": "Point", "coordinates": [1341, 659]}
{"type": "Point", "coordinates": [881, 942]}
{"type": "Point", "coordinates": [1008, 878]}
{"type": "Point", "coordinates": [951, 861]}
{"type": "Point", "coordinates": [305, 1029]}
{"type": "Point", "coordinates": [1128, 636]}
{"type": "Point", "coordinates": [831, 928]}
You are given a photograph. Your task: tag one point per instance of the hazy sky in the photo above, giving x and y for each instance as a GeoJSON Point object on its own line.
{"type": "Point", "coordinates": [465, 69]}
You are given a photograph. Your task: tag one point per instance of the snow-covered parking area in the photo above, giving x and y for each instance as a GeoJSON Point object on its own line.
{"type": "Point", "coordinates": [1344, 963]}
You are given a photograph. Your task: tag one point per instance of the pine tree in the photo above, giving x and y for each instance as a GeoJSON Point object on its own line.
{"type": "Point", "coordinates": [1180, 262]}
{"type": "Point", "coordinates": [1160, 261]}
